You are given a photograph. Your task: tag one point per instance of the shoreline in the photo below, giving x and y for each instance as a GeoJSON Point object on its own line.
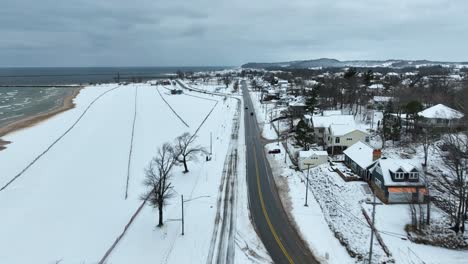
{"type": "Point", "coordinates": [67, 104]}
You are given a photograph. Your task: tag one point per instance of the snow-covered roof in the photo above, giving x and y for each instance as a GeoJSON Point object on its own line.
{"type": "Point", "coordinates": [376, 86]}
{"type": "Point", "coordinates": [399, 115]}
{"type": "Point", "coordinates": [310, 153]}
{"type": "Point", "coordinates": [331, 112]}
{"type": "Point", "coordinates": [360, 153]}
{"type": "Point", "coordinates": [393, 165]}
{"type": "Point", "coordinates": [393, 74]}
{"type": "Point", "coordinates": [341, 130]}
{"type": "Point", "coordinates": [326, 121]}
{"type": "Point", "coordinates": [382, 99]}
{"type": "Point", "coordinates": [442, 112]}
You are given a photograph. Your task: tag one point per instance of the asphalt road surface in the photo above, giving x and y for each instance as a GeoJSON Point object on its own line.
{"type": "Point", "coordinates": [271, 222]}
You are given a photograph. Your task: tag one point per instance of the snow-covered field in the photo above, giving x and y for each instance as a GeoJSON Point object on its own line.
{"type": "Point", "coordinates": [69, 205]}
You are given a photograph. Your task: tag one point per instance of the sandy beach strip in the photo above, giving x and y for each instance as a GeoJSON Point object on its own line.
{"type": "Point", "coordinates": [29, 121]}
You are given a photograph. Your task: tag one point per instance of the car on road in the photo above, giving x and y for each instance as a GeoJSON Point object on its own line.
{"type": "Point", "coordinates": [274, 151]}
{"type": "Point", "coordinates": [251, 113]}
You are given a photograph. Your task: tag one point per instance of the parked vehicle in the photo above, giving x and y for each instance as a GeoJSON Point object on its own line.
{"type": "Point", "coordinates": [274, 151]}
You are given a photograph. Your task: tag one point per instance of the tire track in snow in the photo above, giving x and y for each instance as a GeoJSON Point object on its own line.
{"type": "Point", "coordinates": [57, 140]}
{"type": "Point", "coordinates": [223, 238]}
{"type": "Point", "coordinates": [131, 143]}
{"type": "Point", "coordinates": [222, 246]}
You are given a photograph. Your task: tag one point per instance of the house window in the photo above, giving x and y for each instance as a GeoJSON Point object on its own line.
{"type": "Point", "coordinates": [378, 182]}
{"type": "Point", "coordinates": [413, 176]}
{"type": "Point", "coordinates": [349, 139]}
{"type": "Point", "coordinates": [399, 176]}
{"type": "Point", "coordinates": [337, 140]}
{"type": "Point", "coordinates": [321, 130]}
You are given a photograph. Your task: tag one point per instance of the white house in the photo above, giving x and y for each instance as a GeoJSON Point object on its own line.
{"type": "Point", "coordinates": [377, 87]}
{"type": "Point", "coordinates": [321, 123]}
{"type": "Point", "coordinates": [311, 158]}
{"type": "Point", "coordinates": [331, 112]}
{"type": "Point", "coordinates": [341, 137]}
{"type": "Point", "coordinates": [440, 116]}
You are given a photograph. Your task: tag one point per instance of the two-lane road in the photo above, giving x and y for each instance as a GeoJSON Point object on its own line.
{"type": "Point", "coordinates": [271, 222]}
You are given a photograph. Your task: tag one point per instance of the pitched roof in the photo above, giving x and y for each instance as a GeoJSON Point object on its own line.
{"type": "Point", "coordinates": [441, 111]}
{"type": "Point", "coordinates": [341, 130]}
{"type": "Point", "coordinates": [360, 153]}
{"type": "Point", "coordinates": [376, 86]}
{"type": "Point", "coordinates": [387, 165]}
{"type": "Point", "coordinates": [309, 153]}
{"type": "Point", "coordinates": [326, 121]}
{"type": "Point", "coordinates": [331, 112]}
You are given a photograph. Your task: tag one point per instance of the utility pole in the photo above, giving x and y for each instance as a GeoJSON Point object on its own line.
{"type": "Point", "coordinates": [307, 184]}
{"type": "Point", "coordinates": [285, 152]}
{"type": "Point", "coordinates": [374, 203]}
{"type": "Point", "coordinates": [182, 199]}
{"type": "Point", "coordinates": [271, 119]}
{"type": "Point", "coordinates": [428, 217]}
{"type": "Point", "coordinates": [278, 128]}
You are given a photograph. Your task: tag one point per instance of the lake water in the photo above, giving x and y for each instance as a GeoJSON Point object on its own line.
{"type": "Point", "coordinates": [20, 102]}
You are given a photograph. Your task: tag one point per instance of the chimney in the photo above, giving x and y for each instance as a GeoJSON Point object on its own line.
{"type": "Point", "coordinates": [376, 154]}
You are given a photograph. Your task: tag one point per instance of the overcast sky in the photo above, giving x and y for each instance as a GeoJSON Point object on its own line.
{"type": "Point", "coordinates": [220, 32]}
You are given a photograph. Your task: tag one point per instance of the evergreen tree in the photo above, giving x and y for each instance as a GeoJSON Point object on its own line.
{"type": "Point", "coordinates": [311, 99]}
{"type": "Point", "coordinates": [304, 136]}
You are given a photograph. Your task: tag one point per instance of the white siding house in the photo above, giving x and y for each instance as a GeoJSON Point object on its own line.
{"type": "Point", "coordinates": [343, 136]}
{"type": "Point", "coordinates": [321, 123]}
{"type": "Point", "coordinates": [311, 158]}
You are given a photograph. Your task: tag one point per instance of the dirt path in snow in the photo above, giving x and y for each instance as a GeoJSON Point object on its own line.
{"type": "Point", "coordinates": [172, 109]}
{"type": "Point", "coordinates": [131, 143]}
{"type": "Point", "coordinates": [57, 140]}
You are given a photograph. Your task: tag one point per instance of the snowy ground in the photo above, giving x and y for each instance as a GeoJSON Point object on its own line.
{"type": "Point", "coordinates": [69, 205]}
{"type": "Point", "coordinates": [336, 205]}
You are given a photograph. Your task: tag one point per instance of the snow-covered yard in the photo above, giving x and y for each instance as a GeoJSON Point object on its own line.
{"type": "Point", "coordinates": [335, 208]}
{"type": "Point", "coordinates": [69, 204]}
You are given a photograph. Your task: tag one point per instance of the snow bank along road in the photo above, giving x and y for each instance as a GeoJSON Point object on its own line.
{"type": "Point", "coordinates": [280, 238]}
{"type": "Point", "coordinates": [69, 205]}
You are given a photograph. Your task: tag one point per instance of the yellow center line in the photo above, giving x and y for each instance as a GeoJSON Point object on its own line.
{"type": "Point", "coordinates": [265, 213]}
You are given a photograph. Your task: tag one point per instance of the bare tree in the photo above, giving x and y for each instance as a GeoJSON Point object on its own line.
{"type": "Point", "coordinates": [427, 138]}
{"type": "Point", "coordinates": [456, 159]}
{"type": "Point", "coordinates": [185, 151]}
{"type": "Point", "coordinates": [158, 179]}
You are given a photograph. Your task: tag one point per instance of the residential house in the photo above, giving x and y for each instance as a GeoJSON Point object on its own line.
{"type": "Point", "coordinates": [321, 123]}
{"type": "Point", "coordinates": [359, 157]}
{"type": "Point", "coordinates": [341, 137]}
{"type": "Point", "coordinates": [331, 112]}
{"type": "Point", "coordinates": [376, 87]}
{"type": "Point", "coordinates": [440, 116]}
{"type": "Point", "coordinates": [381, 101]}
{"type": "Point", "coordinates": [398, 181]}
{"type": "Point", "coordinates": [311, 158]}
{"type": "Point", "coordinates": [297, 108]}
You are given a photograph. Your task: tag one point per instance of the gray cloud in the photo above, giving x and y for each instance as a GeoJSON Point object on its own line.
{"type": "Point", "coordinates": [208, 32]}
